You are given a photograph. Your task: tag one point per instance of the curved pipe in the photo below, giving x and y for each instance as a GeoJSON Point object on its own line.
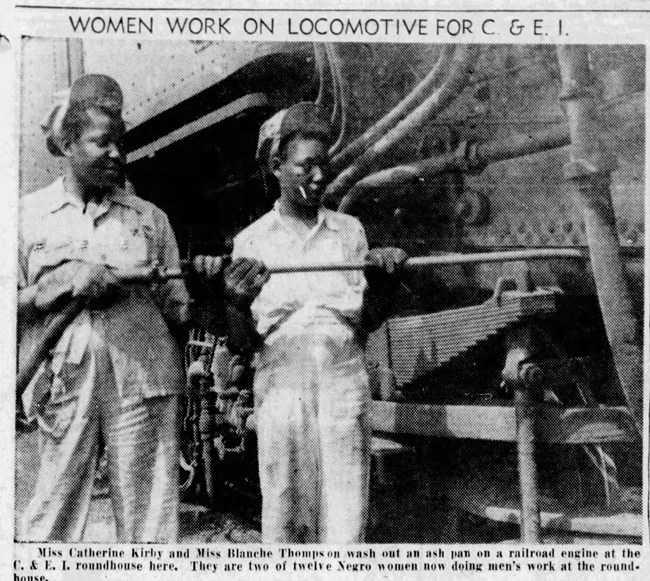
{"type": "Point", "coordinates": [331, 88]}
{"type": "Point", "coordinates": [336, 90]}
{"type": "Point", "coordinates": [339, 114]}
{"type": "Point", "coordinates": [399, 112]}
{"type": "Point", "coordinates": [454, 84]}
{"type": "Point", "coordinates": [589, 171]}
{"type": "Point", "coordinates": [320, 59]}
{"type": "Point", "coordinates": [466, 157]}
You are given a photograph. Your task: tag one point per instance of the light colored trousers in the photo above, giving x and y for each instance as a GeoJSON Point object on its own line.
{"type": "Point", "coordinates": [312, 397]}
{"type": "Point", "coordinates": [141, 443]}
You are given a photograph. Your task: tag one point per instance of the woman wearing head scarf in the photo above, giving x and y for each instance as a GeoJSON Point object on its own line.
{"type": "Point", "coordinates": [311, 388]}
{"type": "Point", "coordinates": [115, 374]}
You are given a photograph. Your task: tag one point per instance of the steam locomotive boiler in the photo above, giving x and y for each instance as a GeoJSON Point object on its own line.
{"type": "Point", "coordinates": [514, 363]}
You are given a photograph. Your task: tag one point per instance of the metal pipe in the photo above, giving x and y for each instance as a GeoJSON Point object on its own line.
{"type": "Point", "coordinates": [520, 349]}
{"type": "Point", "coordinates": [206, 431]}
{"type": "Point", "coordinates": [320, 59]}
{"type": "Point", "coordinates": [340, 111]}
{"type": "Point", "coordinates": [418, 261]}
{"type": "Point", "coordinates": [520, 145]}
{"type": "Point", "coordinates": [466, 157]}
{"type": "Point", "coordinates": [462, 64]}
{"type": "Point", "coordinates": [448, 259]}
{"type": "Point", "coordinates": [528, 479]}
{"type": "Point", "coordinates": [589, 171]}
{"type": "Point", "coordinates": [404, 108]}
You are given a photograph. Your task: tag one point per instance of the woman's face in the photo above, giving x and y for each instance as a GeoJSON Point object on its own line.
{"type": "Point", "coordinates": [302, 171]}
{"type": "Point", "coordinates": [97, 156]}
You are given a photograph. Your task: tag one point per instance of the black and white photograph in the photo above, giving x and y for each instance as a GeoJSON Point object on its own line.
{"type": "Point", "coordinates": [329, 292]}
{"type": "Point", "coordinates": [324, 290]}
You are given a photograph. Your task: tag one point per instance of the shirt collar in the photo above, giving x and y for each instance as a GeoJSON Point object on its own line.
{"type": "Point", "coordinates": [326, 218]}
{"type": "Point", "coordinates": [60, 197]}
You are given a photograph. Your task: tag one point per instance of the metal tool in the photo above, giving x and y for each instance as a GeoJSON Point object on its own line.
{"type": "Point", "coordinates": [411, 263]}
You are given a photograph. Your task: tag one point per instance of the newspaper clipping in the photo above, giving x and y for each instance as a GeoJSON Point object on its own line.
{"type": "Point", "coordinates": [323, 289]}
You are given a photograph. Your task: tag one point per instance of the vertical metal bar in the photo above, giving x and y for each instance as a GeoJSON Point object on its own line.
{"type": "Point", "coordinates": [207, 432]}
{"type": "Point", "coordinates": [519, 344]}
{"type": "Point", "coordinates": [589, 171]}
{"type": "Point", "coordinates": [528, 482]}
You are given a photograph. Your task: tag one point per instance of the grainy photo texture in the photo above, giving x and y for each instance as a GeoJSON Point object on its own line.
{"type": "Point", "coordinates": [330, 293]}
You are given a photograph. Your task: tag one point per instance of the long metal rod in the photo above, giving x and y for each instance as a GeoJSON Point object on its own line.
{"type": "Point", "coordinates": [417, 261]}
{"type": "Point", "coordinates": [528, 479]}
{"type": "Point", "coordinates": [520, 348]}
{"type": "Point", "coordinates": [445, 260]}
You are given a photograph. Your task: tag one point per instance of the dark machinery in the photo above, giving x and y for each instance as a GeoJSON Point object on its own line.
{"type": "Point", "coordinates": [549, 360]}
{"type": "Point", "coordinates": [526, 373]}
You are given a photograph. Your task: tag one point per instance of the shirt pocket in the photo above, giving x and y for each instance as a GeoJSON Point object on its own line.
{"type": "Point", "coordinates": [142, 244]}
{"type": "Point", "coordinates": [131, 244]}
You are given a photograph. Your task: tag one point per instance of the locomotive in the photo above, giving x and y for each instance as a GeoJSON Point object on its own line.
{"type": "Point", "coordinates": [512, 367]}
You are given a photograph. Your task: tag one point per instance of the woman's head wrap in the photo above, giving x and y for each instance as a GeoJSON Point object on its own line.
{"type": "Point", "coordinates": [304, 118]}
{"type": "Point", "coordinates": [87, 92]}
